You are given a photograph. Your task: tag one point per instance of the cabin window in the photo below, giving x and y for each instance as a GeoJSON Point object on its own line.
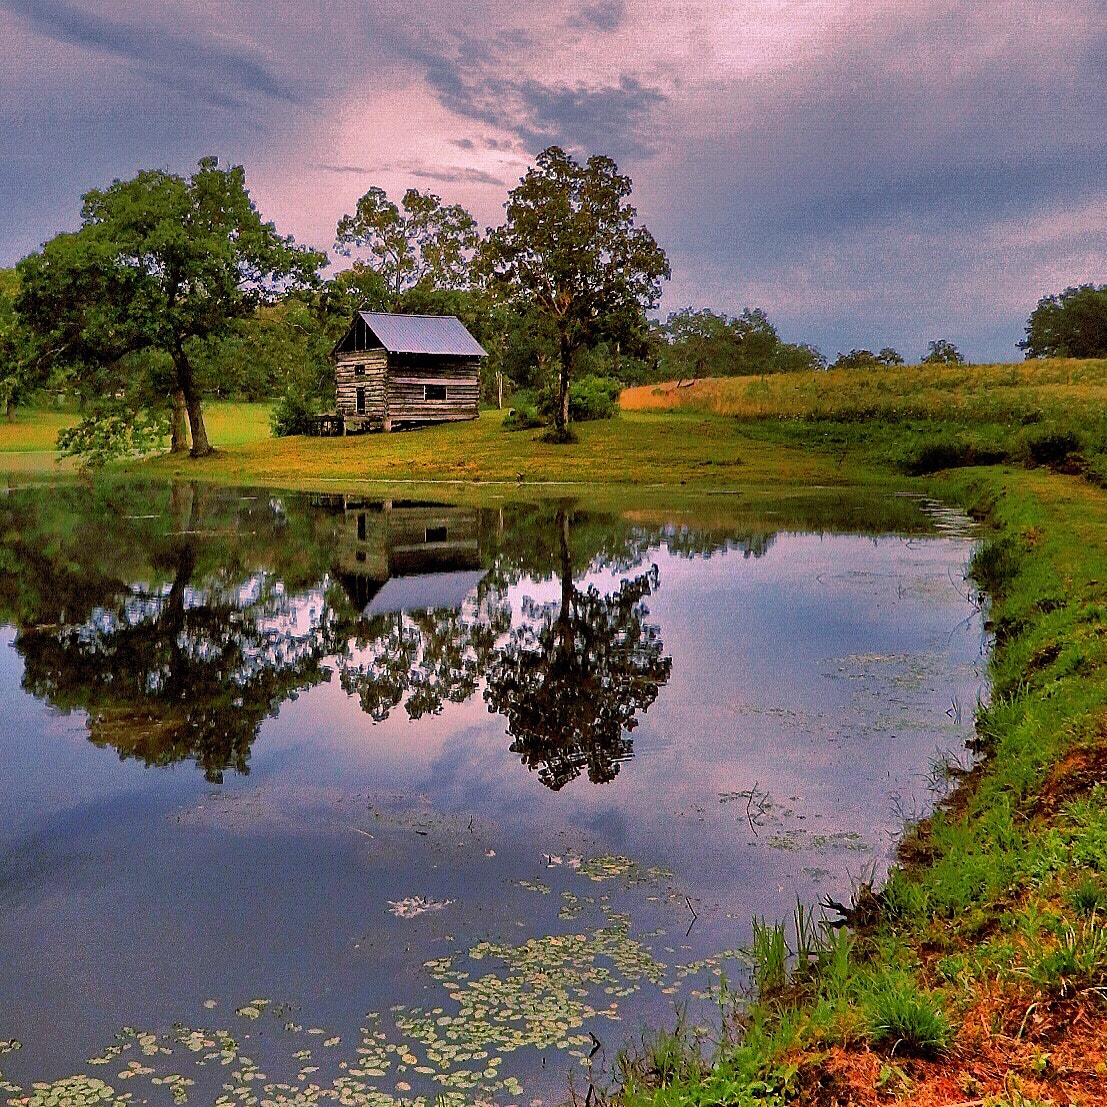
{"type": "Point", "coordinates": [434, 392]}
{"type": "Point", "coordinates": [360, 401]}
{"type": "Point", "coordinates": [436, 534]}
{"type": "Point", "coordinates": [359, 371]}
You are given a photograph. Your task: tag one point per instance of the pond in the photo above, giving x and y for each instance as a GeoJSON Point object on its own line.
{"type": "Point", "coordinates": [338, 798]}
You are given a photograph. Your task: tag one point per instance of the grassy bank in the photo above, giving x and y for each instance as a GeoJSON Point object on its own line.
{"type": "Point", "coordinates": [977, 975]}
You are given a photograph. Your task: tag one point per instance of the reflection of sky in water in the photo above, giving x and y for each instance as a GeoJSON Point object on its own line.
{"type": "Point", "coordinates": [820, 675]}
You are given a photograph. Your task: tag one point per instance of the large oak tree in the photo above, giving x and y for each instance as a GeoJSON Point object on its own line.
{"type": "Point", "coordinates": [571, 248]}
{"type": "Point", "coordinates": [159, 263]}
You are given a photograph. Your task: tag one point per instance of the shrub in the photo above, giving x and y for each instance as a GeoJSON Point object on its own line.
{"type": "Point", "coordinates": [791, 357]}
{"type": "Point", "coordinates": [946, 453]}
{"type": "Point", "coordinates": [292, 414]}
{"type": "Point", "coordinates": [1046, 445]}
{"type": "Point", "coordinates": [590, 397]}
{"type": "Point", "coordinates": [593, 398]}
{"type": "Point", "coordinates": [857, 359]}
{"type": "Point", "coordinates": [523, 416]}
{"type": "Point", "coordinates": [943, 352]}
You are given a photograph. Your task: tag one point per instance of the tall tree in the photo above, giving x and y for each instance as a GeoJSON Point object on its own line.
{"type": "Point", "coordinates": [419, 241]}
{"type": "Point", "coordinates": [943, 352]}
{"type": "Point", "coordinates": [570, 246]}
{"type": "Point", "coordinates": [160, 263]}
{"type": "Point", "coordinates": [12, 369]}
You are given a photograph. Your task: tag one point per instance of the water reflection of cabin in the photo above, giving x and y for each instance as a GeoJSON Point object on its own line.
{"type": "Point", "coordinates": [405, 369]}
{"type": "Point", "coordinates": [407, 557]}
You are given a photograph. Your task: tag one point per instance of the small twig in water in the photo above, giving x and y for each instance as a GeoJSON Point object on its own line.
{"type": "Point", "coordinates": [358, 830]}
{"type": "Point", "coordinates": [762, 807]}
{"type": "Point", "coordinates": [694, 916]}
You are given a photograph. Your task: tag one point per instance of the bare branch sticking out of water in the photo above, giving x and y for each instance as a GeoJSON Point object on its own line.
{"type": "Point", "coordinates": [695, 917]}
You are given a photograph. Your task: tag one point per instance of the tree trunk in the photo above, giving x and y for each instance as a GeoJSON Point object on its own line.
{"type": "Point", "coordinates": [561, 419]}
{"type": "Point", "coordinates": [564, 616]}
{"type": "Point", "coordinates": [179, 440]}
{"type": "Point", "coordinates": [200, 445]}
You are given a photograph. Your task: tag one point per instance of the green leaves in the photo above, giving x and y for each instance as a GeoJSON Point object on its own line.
{"type": "Point", "coordinates": [160, 263]}
{"type": "Point", "coordinates": [426, 243]}
{"type": "Point", "coordinates": [570, 247]}
{"type": "Point", "coordinates": [1072, 323]}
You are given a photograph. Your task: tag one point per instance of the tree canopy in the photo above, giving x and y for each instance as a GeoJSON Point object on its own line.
{"type": "Point", "coordinates": [419, 241]}
{"type": "Point", "coordinates": [1072, 323]}
{"type": "Point", "coordinates": [159, 264]}
{"type": "Point", "coordinates": [570, 246]}
{"type": "Point", "coordinates": [943, 352]}
{"type": "Point", "coordinates": [701, 342]}
{"type": "Point", "coordinates": [866, 359]}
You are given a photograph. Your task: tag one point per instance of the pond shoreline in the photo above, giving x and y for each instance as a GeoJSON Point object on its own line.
{"type": "Point", "coordinates": [975, 971]}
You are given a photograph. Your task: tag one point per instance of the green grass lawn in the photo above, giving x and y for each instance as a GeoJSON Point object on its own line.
{"type": "Point", "coordinates": [634, 449]}
{"type": "Point", "coordinates": [35, 430]}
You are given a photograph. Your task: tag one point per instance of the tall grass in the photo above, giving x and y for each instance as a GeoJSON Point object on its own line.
{"type": "Point", "coordinates": [1033, 390]}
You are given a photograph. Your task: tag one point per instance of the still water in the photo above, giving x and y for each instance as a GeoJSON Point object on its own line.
{"type": "Point", "coordinates": [316, 798]}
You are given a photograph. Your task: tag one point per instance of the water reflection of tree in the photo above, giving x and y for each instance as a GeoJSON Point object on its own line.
{"type": "Point", "coordinates": [571, 680]}
{"type": "Point", "coordinates": [186, 664]}
{"type": "Point", "coordinates": [179, 617]}
{"type": "Point", "coordinates": [424, 659]}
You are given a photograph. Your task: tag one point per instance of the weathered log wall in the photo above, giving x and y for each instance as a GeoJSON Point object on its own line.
{"type": "Point", "coordinates": [408, 400]}
{"type": "Point", "coordinates": [361, 370]}
{"type": "Point", "coordinates": [396, 391]}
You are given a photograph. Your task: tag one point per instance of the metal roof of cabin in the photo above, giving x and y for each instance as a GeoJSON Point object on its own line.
{"type": "Point", "coordinates": [426, 592]}
{"type": "Point", "coordinates": [422, 334]}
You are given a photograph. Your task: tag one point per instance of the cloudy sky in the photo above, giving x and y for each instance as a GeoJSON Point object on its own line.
{"type": "Point", "coordinates": [871, 172]}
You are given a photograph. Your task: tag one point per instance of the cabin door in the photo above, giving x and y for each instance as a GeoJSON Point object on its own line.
{"type": "Point", "coordinates": [359, 402]}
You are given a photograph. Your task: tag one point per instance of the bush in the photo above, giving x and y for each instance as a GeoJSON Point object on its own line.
{"type": "Point", "coordinates": [943, 352]}
{"type": "Point", "coordinates": [523, 416]}
{"type": "Point", "coordinates": [593, 398]}
{"type": "Point", "coordinates": [590, 397]}
{"type": "Point", "coordinates": [1045, 445]}
{"type": "Point", "coordinates": [946, 453]}
{"type": "Point", "coordinates": [857, 359]}
{"type": "Point", "coordinates": [791, 357]}
{"type": "Point", "coordinates": [292, 415]}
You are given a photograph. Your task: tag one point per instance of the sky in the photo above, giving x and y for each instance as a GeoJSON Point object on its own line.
{"type": "Point", "coordinates": [871, 173]}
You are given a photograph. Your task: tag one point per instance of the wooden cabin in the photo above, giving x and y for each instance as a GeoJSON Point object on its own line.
{"type": "Point", "coordinates": [406, 556]}
{"type": "Point", "coordinates": [406, 370]}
